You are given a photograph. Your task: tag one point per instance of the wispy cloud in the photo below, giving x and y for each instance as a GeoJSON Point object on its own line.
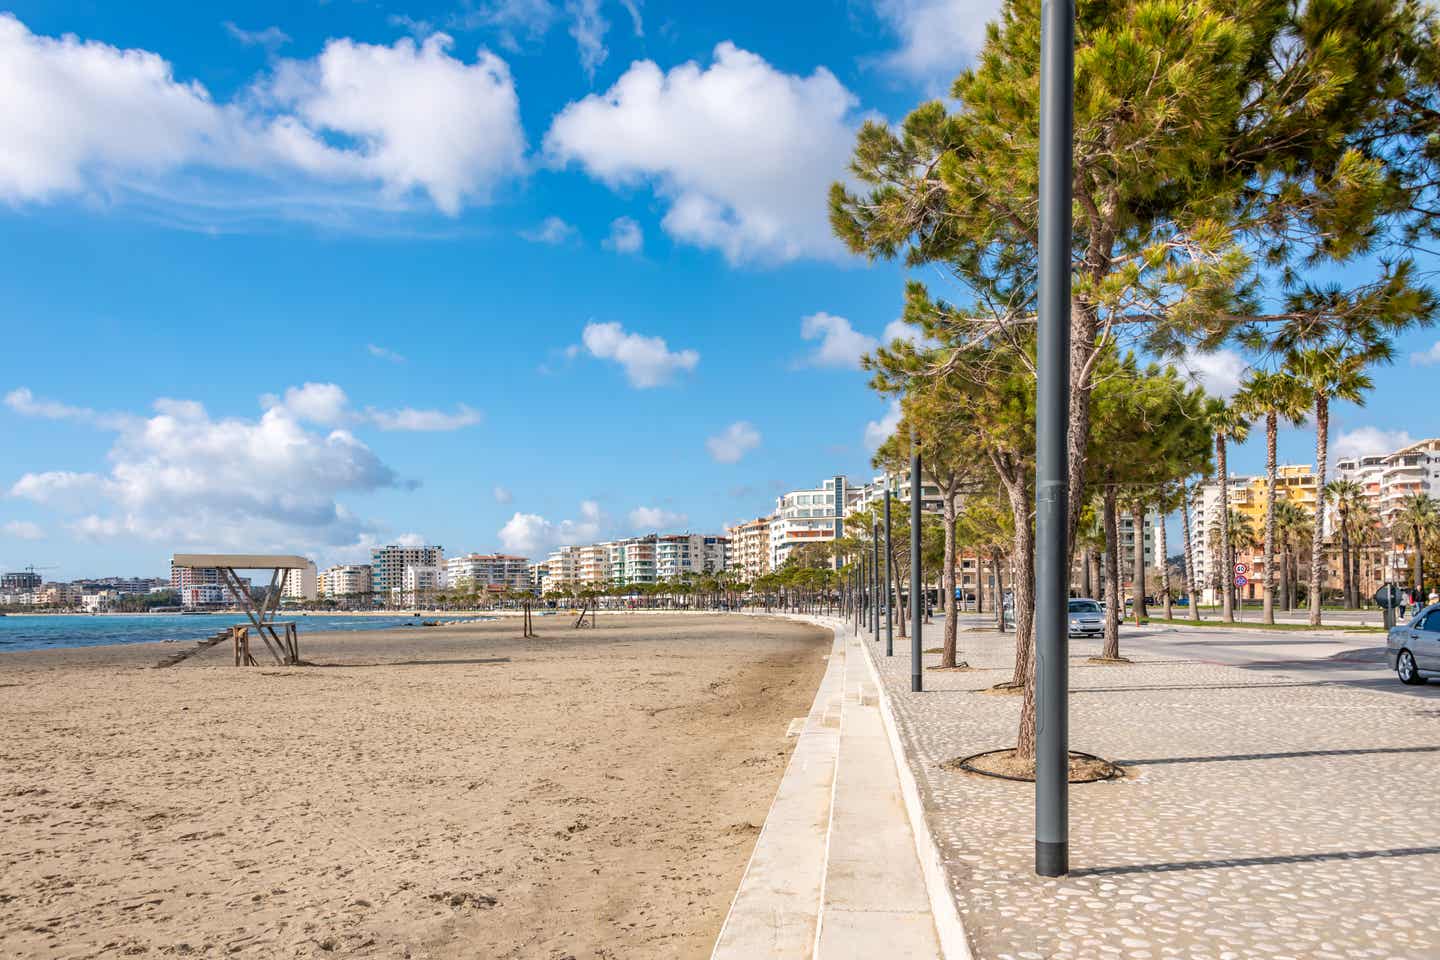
{"type": "Point", "coordinates": [840, 344]}
{"type": "Point", "coordinates": [23, 530]}
{"type": "Point", "coordinates": [625, 236]}
{"type": "Point", "coordinates": [384, 353]}
{"type": "Point", "coordinates": [1427, 358]}
{"type": "Point", "coordinates": [732, 443]}
{"type": "Point", "coordinates": [551, 230]}
{"type": "Point", "coordinates": [270, 38]}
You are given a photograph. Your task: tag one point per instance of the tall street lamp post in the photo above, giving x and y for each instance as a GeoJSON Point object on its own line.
{"type": "Point", "coordinates": [889, 600]}
{"type": "Point", "coordinates": [916, 667]}
{"type": "Point", "coordinates": [1052, 417]}
{"type": "Point", "coordinates": [875, 580]}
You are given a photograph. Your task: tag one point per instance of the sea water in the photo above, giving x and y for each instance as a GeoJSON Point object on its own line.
{"type": "Point", "coordinates": [42, 631]}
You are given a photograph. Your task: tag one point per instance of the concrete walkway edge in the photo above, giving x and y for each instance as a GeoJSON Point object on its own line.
{"type": "Point", "coordinates": [948, 926]}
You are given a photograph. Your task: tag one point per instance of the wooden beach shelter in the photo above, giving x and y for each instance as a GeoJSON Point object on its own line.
{"type": "Point", "coordinates": [285, 649]}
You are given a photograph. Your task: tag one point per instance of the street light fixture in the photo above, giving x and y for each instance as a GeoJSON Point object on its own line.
{"type": "Point", "coordinates": [1052, 417]}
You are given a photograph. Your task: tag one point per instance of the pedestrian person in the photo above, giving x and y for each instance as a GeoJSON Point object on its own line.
{"type": "Point", "coordinates": [1434, 597]}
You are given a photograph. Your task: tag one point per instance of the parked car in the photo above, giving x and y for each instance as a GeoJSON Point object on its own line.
{"type": "Point", "coordinates": [1413, 647]}
{"type": "Point", "coordinates": [1086, 618]}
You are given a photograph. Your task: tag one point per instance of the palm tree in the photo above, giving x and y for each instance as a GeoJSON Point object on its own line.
{"type": "Point", "coordinates": [1346, 495]}
{"type": "Point", "coordinates": [1327, 373]}
{"type": "Point", "coordinates": [1228, 422]}
{"type": "Point", "coordinates": [1293, 527]}
{"type": "Point", "coordinates": [1418, 519]}
{"type": "Point", "coordinates": [1273, 396]}
{"type": "Point", "coordinates": [1191, 588]}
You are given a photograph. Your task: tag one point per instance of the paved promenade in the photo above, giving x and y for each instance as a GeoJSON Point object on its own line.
{"type": "Point", "coordinates": [1270, 812]}
{"type": "Point", "coordinates": [835, 873]}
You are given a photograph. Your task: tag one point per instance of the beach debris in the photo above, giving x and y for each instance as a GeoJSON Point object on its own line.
{"type": "Point", "coordinates": [465, 898]}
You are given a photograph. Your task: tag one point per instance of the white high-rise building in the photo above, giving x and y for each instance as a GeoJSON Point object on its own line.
{"type": "Point", "coordinates": [419, 583]}
{"type": "Point", "coordinates": [301, 585]}
{"type": "Point", "coordinates": [484, 571]}
{"type": "Point", "coordinates": [351, 581]}
{"type": "Point", "coordinates": [809, 516]}
{"type": "Point", "coordinates": [562, 568]}
{"type": "Point", "coordinates": [677, 554]}
{"type": "Point", "coordinates": [1387, 480]}
{"type": "Point", "coordinates": [387, 566]}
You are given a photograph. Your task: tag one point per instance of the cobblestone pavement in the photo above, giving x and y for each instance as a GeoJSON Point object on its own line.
{"type": "Point", "coordinates": [1267, 814]}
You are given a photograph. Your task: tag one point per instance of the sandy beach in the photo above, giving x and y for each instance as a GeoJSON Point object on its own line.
{"type": "Point", "coordinates": [426, 793]}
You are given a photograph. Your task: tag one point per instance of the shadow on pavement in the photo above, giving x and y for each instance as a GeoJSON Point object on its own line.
{"type": "Point", "coordinates": [1256, 861]}
{"type": "Point", "coordinates": [1359, 751]}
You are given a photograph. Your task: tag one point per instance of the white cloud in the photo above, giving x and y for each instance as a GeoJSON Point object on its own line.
{"type": "Point", "coordinates": [878, 431]}
{"type": "Point", "coordinates": [532, 534]}
{"type": "Point", "coordinates": [83, 117]}
{"type": "Point", "coordinates": [502, 495]}
{"type": "Point", "coordinates": [410, 540]}
{"type": "Point", "coordinates": [271, 38]}
{"type": "Point", "coordinates": [384, 353]}
{"type": "Point", "coordinates": [625, 236]}
{"type": "Point", "coordinates": [328, 405]}
{"type": "Point", "coordinates": [1427, 358]}
{"type": "Point", "coordinates": [648, 361]}
{"type": "Point", "coordinates": [183, 478]}
{"type": "Point", "coordinates": [740, 151]}
{"type": "Point", "coordinates": [588, 28]}
{"type": "Point", "coordinates": [732, 443]}
{"type": "Point", "coordinates": [1220, 373]}
{"type": "Point", "coordinates": [937, 37]}
{"type": "Point", "coordinates": [656, 518]}
{"type": "Point", "coordinates": [1366, 441]}
{"type": "Point", "coordinates": [23, 530]}
{"type": "Point", "coordinates": [552, 230]}
{"type": "Point", "coordinates": [841, 345]}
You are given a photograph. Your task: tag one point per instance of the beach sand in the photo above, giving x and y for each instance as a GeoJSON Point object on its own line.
{"type": "Point", "coordinates": [426, 793]}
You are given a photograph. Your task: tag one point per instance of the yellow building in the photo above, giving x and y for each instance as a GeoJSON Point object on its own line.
{"type": "Point", "coordinates": [1295, 483]}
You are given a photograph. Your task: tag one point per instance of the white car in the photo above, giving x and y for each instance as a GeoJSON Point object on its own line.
{"type": "Point", "coordinates": [1086, 618]}
{"type": "Point", "coordinates": [1413, 647]}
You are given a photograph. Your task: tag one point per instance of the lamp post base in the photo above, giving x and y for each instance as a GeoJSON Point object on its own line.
{"type": "Point", "coordinates": [1052, 859]}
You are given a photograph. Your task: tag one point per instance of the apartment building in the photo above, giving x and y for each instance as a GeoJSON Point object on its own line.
{"type": "Point", "coordinates": [1294, 483]}
{"type": "Point", "coordinates": [562, 568]}
{"type": "Point", "coordinates": [483, 571]}
{"type": "Point", "coordinates": [816, 515]}
{"type": "Point", "coordinates": [633, 560]}
{"type": "Point", "coordinates": [202, 586]}
{"type": "Point", "coordinates": [677, 554]}
{"type": "Point", "coordinates": [348, 580]}
{"type": "Point", "coordinates": [872, 494]}
{"type": "Point", "coordinates": [20, 581]}
{"type": "Point", "coordinates": [301, 585]}
{"type": "Point", "coordinates": [388, 563]}
{"type": "Point", "coordinates": [749, 549]}
{"type": "Point", "coordinates": [592, 565]}
{"type": "Point", "coordinates": [1387, 480]}
{"type": "Point", "coordinates": [419, 583]}
{"type": "Point", "coordinates": [539, 573]}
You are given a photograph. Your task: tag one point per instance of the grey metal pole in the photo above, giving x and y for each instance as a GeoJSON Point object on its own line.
{"type": "Point", "coordinates": [917, 680]}
{"type": "Point", "coordinates": [1052, 417]}
{"type": "Point", "coordinates": [889, 600]}
{"type": "Point", "coordinates": [875, 580]}
{"type": "Point", "coordinates": [855, 597]}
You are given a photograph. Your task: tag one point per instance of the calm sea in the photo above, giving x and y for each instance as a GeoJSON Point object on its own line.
{"type": "Point", "coordinates": [30, 632]}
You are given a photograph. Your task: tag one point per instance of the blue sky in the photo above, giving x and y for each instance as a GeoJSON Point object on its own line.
{"type": "Point", "coordinates": [315, 276]}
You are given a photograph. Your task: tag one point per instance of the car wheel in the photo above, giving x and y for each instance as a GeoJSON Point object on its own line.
{"type": "Point", "coordinates": [1406, 670]}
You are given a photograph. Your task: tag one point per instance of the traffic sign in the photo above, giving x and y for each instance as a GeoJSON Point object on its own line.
{"type": "Point", "coordinates": [1241, 569]}
{"type": "Point", "coordinates": [1240, 580]}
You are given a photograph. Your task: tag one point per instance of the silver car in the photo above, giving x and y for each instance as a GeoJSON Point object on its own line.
{"type": "Point", "coordinates": [1413, 648]}
{"type": "Point", "coordinates": [1086, 618]}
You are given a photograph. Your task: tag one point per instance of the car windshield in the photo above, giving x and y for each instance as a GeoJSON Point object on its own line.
{"type": "Point", "coordinates": [1084, 606]}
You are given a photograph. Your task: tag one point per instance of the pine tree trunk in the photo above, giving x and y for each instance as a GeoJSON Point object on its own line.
{"type": "Point", "coordinates": [1112, 574]}
{"type": "Point", "coordinates": [1190, 586]}
{"type": "Point", "coordinates": [1226, 607]}
{"type": "Point", "coordinates": [1160, 547]}
{"type": "Point", "coordinates": [1271, 428]}
{"type": "Point", "coordinates": [1317, 541]}
{"type": "Point", "coordinates": [1086, 587]}
{"type": "Point", "coordinates": [1023, 583]}
{"type": "Point", "coordinates": [1349, 586]}
{"type": "Point", "coordinates": [902, 614]}
{"type": "Point", "coordinates": [947, 579]}
{"type": "Point", "coordinates": [1418, 567]}
{"type": "Point", "coordinates": [1137, 520]}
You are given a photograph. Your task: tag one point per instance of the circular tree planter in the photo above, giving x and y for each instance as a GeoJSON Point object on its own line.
{"type": "Point", "coordinates": [1005, 689]}
{"type": "Point", "coordinates": [1109, 661]}
{"type": "Point", "coordinates": [1002, 765]}
{"type": "Point", "coordinates": [961, 667]}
